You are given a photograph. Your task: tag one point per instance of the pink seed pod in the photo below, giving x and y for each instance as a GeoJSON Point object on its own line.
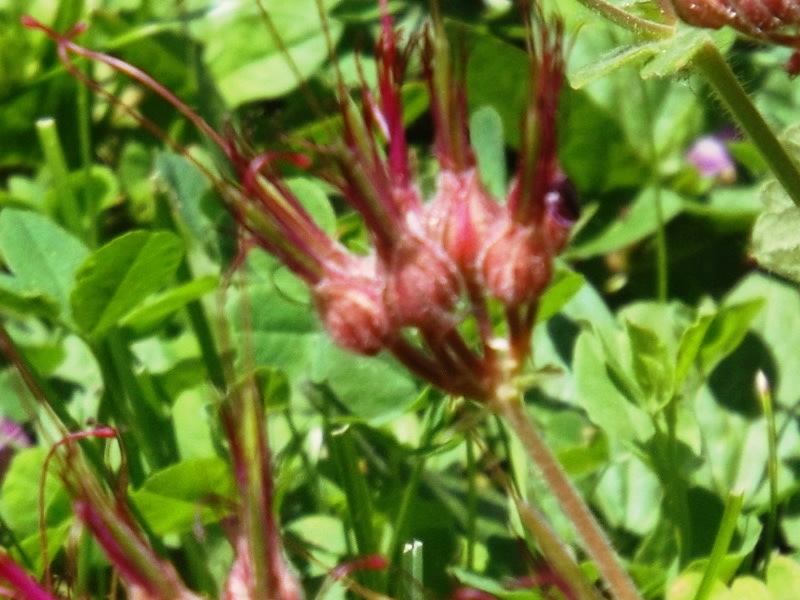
{"type": "Point", "coordinates": [516, 263]}
{"type": "Point", "coordinates": [351, 306]}
{"type": "Point", "coordinates": [460, 215]}
{"type": "Point", "coordinates": [423, 285]}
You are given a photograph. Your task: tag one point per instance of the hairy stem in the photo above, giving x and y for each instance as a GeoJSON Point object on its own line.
{"type": "Point", "coordinates": [731, 93]}
{"type": "Point", "coordinates": [556, 552]}
{"type": "Point", "coordinates": [508, 403]}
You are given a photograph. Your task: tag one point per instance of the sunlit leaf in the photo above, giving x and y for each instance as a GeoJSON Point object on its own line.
{"type": "Point", "coordinates": [116, 278]}
{"type": "Point", "coordinates": [776, 235]}
{"type": "Point", "coordinates": [245, 59]}
{"type": "Point", "coordinates": [42, 256]}
{"type": "Point", "coordinates": [636, 223]}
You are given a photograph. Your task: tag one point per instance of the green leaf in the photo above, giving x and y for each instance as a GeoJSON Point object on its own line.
{"type": "Point", "coordinates": [730, 208]}
{"type": "Point", "coordinates": [322, 532]}
{"type": "Point", "coordinates": [495, 76]}
{"type": "Point", "coordinates": [19, 494]}
{"type": "Point", "coordinates": [773, 325]}
{"type": "Point", "coordinates": [662, 57]}
{"type": "Point", "coordinates": [284, 336]}
{"type": "Point", "coordinates": [43, 258]}
{"type": "Point", "coordinates": [582, 459]}
{"type": "Point", "coordinates": [245, 60]}
{"type": "Point", "coordinates": [726, 331]}
{"type": "Point", "coordinates": [492, 586]}
{"type": "Point", "coordinates": [114, 279]}
{"type": "Point", "coordinates": [676, 53]}
{"type": "Point", "coordinates": [56, 539]}
{"type": "Point", "coordinates": [486, 135]}
{"type": "Point", "coordinates": [190, 479]}
{"type": "Point", "coordinates": [597, 163]}
{"type": "Point", "coordinates": [689, 346]}
{"type": "Point", "coordinates": [639, 221]}
{"type": "Point", "coordinates": [191, 415]}
{"type": "Point", "coordinates": [189, 186]}
{"type": "Point", "coordinates": [604, 393]}
{"type": "Point", "coordinates": [315, 201]}
{"type": "Point", "coordinates": [652, 364]}
{"type": "Point", "coordinates": [629, 495]}
{"type": "Point", "coordinates": [17, 297]}
{"type": "Point", "coordinates": [150, 315]}
{"type": "Point", "coordinates": [376, 389]}
{"type": "Point", "coordinates": [751, 588]}
{"type": "Point", "coordinates": [776, 234]}
{"type": "Point", "coordinates": [783, 578]}
{"type": "Point", "coordinates": [686, 585]}
{"type": "Point", "coordinates": [566, 283]}
{"type": "Point", "coordinates": [612, 60]}
{"type": "Point", "coordinates": [98, 187]}
{"type": "Point", "coordinates": [174, 499]}
{"type": "Point", "coordinates": [16, 398]}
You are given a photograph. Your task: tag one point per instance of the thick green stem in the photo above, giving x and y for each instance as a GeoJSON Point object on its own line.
{"type": "Point", "coordinates": [731, 93]}
{"type": "Point", "coordinates": [508, 403]}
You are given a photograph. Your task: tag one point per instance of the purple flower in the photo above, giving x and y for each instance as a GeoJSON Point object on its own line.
{"type": "Point", "coordinates": [710, 156]}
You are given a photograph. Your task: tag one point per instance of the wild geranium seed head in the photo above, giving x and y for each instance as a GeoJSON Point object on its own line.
{"type": "Point", "coordinates": [350, 302]}
{"type": "Point", "coordinates": [432, 264]}
{"type": "Point", "coordinates": [459, 217]}
{"type": "Point", "coordinates": [516, 263]}
{"type": "Point", "coordinates": [423, 285]}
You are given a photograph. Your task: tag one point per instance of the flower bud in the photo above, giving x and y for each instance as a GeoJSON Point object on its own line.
{"type": "Point", "coordinates": [516, 264]}
{"type": "Point", "coordinates": [350, 304]}
{"type": "Point", "coordinates": [423, 285]}
{"type": "Point", "coordinates": [460, 215]}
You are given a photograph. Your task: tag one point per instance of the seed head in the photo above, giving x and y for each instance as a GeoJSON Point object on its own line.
{"type": "Point", "coordinates": [431, 265]}
{"type": "Point", "coordinates": [423, 286]}
{"type": "Point", "coordinates": [350, 302]}
{"type": "Point", "coordinates": [516, 263]}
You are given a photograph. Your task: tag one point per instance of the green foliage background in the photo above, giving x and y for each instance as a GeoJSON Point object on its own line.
{"type": "Point", "coordinates": [117, 253]}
